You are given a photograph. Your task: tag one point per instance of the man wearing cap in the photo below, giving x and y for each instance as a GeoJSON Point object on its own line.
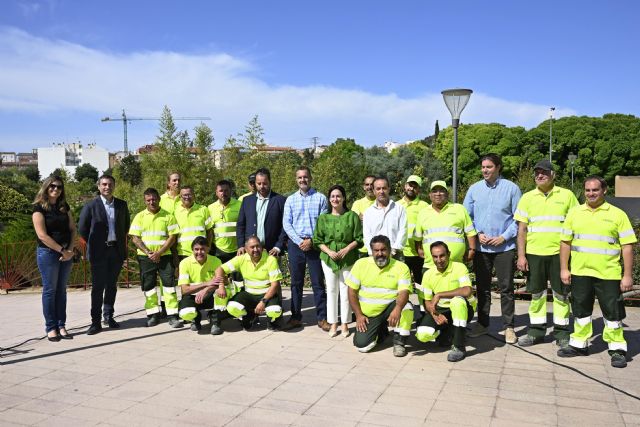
{"type": "Point", "coordinates": [385, 217]}
{"type": "Point", "coordinates": [540, 215]}
{"type": "Point", "coordinates": [252, 186]}
{"type": "Point", "coordinates": [593, 236]}
{"type": "Point", "coordinates": [447, 222]}
{"type": "Point", "coordinates": [361, 205]}
{"type": "Point", "coordinates": [491, 203]}
{"type": "Point", "coordinates": [413, 205]}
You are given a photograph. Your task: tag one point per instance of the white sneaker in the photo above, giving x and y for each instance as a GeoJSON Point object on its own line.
{"type": "Point", "coordinates": [478, 330]}
{"type": "Point", "coordinates": [510, 336]}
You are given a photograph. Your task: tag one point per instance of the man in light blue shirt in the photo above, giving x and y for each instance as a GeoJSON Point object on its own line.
{"type": "Point", "coordinates": [491, 203]}
{"type": "Point", "coordinates": [301, 212]}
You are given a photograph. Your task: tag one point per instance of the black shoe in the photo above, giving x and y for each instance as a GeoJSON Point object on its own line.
{"type": "Point", "coordinates": [274, 325]}
{"type": "Point", "coordinates": [196, 326]}
{"type": "Point", "coordinates": [95, 328]}
{"type": "Point", "coordinates": [153, 321]}
{"type": "Point", "coordinates": [570, 351]}
{"type": "Point", "coordinates": [618, 360]}
{"type": "Point", "coordinates": [67, 336]}
{"type": "Point", "coordinates": [54, 338]}
{"type": "Point", "coordinates": [247, 322]}
{"type": "Point", "coordinates": [111, 323]}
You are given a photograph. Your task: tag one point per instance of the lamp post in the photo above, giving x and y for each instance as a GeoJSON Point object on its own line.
{"type": "Point", "coordinates": [551, 110]}
{"type": "Point", "coordinates": [572, 159]}
{"type": "Point", "coordinates": [456, 100]}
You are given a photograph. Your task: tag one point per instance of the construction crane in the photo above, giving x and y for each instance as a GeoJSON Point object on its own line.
{"type": "Point", "coordinates": [124, 119]}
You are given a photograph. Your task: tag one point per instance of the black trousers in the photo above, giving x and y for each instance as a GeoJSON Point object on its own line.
{"type": "Point", "coordinates": [415, 264]}
{"type": "Point", "coordinates": [104, 279]}
{"type": "Point", "coordinates": [484, 263]}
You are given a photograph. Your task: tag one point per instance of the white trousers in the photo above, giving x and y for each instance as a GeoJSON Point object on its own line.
{"type": "Point", "coordinates": [336, 286]}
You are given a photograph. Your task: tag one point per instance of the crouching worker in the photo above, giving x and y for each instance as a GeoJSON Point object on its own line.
{"type": "Point", "coordinates": [261, 292]}
{"type": "Point", "coordinates": [449, 302]}
{"type": "Point", "coordinates": [379, 289]}
{"type": "Point", "coordinates": [198, 283]}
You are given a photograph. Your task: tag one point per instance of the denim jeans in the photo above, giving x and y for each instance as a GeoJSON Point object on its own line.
{"type": "Point", "coordinates": [298, 261]}
{"type": "Point", "coordinates": [55, 275]}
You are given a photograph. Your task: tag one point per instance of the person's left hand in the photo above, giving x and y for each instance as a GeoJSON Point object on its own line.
{"type": "Point", "coordinates": [200, 295]}
{"type": "Point", "coordinates": [495, 241]}
{"type": "Point", "coordinates": [394, 317]}
{"type": "Point", "coordinates": [626, 284]}
{"type": "Point", "coordinates": [260, 308]}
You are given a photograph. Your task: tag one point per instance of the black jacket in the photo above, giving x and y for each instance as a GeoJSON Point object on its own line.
{"type": "Point", "coordinates": [247, 225]}
{"type": "Point", "coordinates": [94, 228]}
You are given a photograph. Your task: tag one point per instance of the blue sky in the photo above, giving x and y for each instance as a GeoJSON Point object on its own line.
{"type": "Point", "coordinates": [370, 70]}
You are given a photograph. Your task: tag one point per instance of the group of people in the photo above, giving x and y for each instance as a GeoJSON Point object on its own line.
{"type": "Point", "coordinates": [364, 261]}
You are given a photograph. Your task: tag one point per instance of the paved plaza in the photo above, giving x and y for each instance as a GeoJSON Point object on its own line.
{"type": "Point", "coordinates": [159, 376]}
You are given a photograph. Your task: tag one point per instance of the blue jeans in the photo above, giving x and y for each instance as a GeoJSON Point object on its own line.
{"type": "Point", "coordinates": [298, 260]}
{"type": "Point", "coordinates": [55, 275]}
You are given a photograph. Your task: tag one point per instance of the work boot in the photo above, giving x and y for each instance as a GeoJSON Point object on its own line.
{"type": "Point", "coordinates": [152, 321]}
{"type": "Point", "coordinates": [399, 345]}
{"type": "Point", "coordinates": [528, 341]}
{"type": "Point", "coordinates": [274, 325]}
{"type": "Point", "coordinates": [216, 329]}
{"type": "Point", "coordinates": [618, 360]}
{"type": "Point", "coordinates": [478, 330]}
{"type": "Point", "coordinates": [111, 323]}
{"type": "Point", "coordinates": [562, 342]}
{"type": "Point", "coordinates": [174, 322]}
{"type": "Point", "coordinates": [196, 325]}
{"type": "Point", "coordinates": [456, 354]}
{"type": "Point", "coordinates": [571, 351]}
{"type": "Point", "coordinates": [247, 322]}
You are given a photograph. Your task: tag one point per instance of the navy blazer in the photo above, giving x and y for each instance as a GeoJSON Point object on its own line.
{"type": "Point", "coordinates": [94, 227]}
{"type": "Point", "coordinates": [247, 225]}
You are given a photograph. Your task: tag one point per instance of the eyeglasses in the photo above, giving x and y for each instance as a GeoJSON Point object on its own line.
{"type": "Point", "coordinates": [56, 187]}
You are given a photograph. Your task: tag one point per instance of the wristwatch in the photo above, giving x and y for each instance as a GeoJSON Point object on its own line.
{"type": "Point", "coordinates": [264, 301]}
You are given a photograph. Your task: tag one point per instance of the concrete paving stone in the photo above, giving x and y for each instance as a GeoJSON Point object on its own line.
{"type": "Point", "coordinates": [469, 390]}
{"type": "Point", "coordinates": [238, 398]}
{"type": "Point", "coordinates": [323, 373]}
{"type": "Point", "coordinates": [547, 398]}
{"type": "Point", "coordinates": [516, 411]}
{"type": "Point", "coordinates": [418, 381]}
{"type": "Point", "coordinates": [62, 421]}
{"type": "Point", "coordinates": [391, 420]}
{"type": "Point", "coordinates": [412, 411]}
{"type": "Point", "coordinates": [544, 374]}
{"type": "Point", "coordinates": [137, 391]}
{"type": "Point", "coordinates": [178, 397]}
{"type": "Point", "coordinates": [152, 410]}
{"type": "Point", "coordinates": [221, 374]}
{"type": "Point", "coordinates": [499, 422]}
{"type": "Point", "coordinates": [269, 373]}
{"type": "Point", "coordinates": [65, 376]}
{"type": "Point", "coordinates": [248, 422]}
{"type": "Point", "coordinates": [571, 416]}
{"type": "Point", "coordinates": [475, 380]}
{"type": "Point", "coordinates": [417, 392]}
{"type": "Point", "coordinates": [581, 402]}
{"type": "Point", "coordinates": [253, 390]}
{"type": "Point", "coordinates": [475, 400]}
{"type": "Point", "coordinates": [354, 386]}
{"type": "Point", "coordinates": [294, 393]}
{"type": "Point", "coordinates": [23, 417]}
{"type": "Point", "coordinates": [102, 402]}
{"type": "Point", "coordinates": [410, 398]}
{"type": "Point", "coordinates": [219, 409]}
{"type": "Point", "coordinates": [516, 379]}
{"type": "Point", "coordinates": [127, 419]}
{"type": "Point", "coordinates": [631, 419]}
{"type": "Point", "coordinates": [338, 413]}
{"type": "Point", "coordinates": [26, 390]}
{"type": "Point", "coordinates": [485, 366]}
{"type": "Point", "coordinates": [312, 380]}
{"type": "Point", "coordinates": [254, 379]}
{"type": "Point", "coordinates": [323, 365]}
{"type": "Point", "coordinates": [66, 396]}
{"type": "Point", "coordinates": [42, 406]}
{"type": "Point", "coordinates": [355, 402]}
{"type": "Point", "coordinates": [89, 414]}
{"type": "Point", "coordinates": [441, 417]}
{"type": "Point", "coordinates": [524, 387]}
{"type": "Point", "coordinates": [281, 405]}
{"type": "Point", "coordinates": [461, 405]}
{"type": "Point", "coordinates": [22, 372]}
{"type": "Point", "coordinates": [46, 383]}
{"type": "Point", "coordinates": [627, 404]}
{"type": "Point", "coordinates": [307, 420]}
{"type": "Point", "coordinates": [262, 415]}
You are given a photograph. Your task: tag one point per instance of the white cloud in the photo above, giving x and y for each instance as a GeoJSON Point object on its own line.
{"type": "Point", "coordinates": [52, 75]}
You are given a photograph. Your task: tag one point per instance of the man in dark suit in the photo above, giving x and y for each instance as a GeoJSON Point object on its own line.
{"type": "Point", "coordinates": [261, 215]}
{"type": "Point", "coordinates": [104, 223]}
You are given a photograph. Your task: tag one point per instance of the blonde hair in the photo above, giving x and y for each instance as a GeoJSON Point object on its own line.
{"type": "Point", "coordinates": [42, 197]}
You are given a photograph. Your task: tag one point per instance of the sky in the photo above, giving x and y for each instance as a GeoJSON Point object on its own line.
{"type": "Point", "coordinates": [369, 70]}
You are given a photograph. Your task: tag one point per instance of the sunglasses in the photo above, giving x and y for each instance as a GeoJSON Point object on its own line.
{"type": "Point", "coordinates": [56, 187]}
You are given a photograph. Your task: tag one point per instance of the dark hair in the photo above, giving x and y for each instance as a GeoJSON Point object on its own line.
{"type": "Point", "coordinates": [253, 237]}
{"type": "Point", "coordinates": [303, 168]}
{"type": "Point", "coordinates": [441, 244]}
{"type": "Point", "coordinates": [199, 240]}
{"type": "Point", "coordinates": [264, 172]}
{"type": "Point", "coordinates": [341, 189]}
{"type": "Point", "coordinates": [187, 187]}
{"type": "Point", "coordinates": [598, 178]}
{"type": "Point", "coordinates": [380, 238]}
{"type": "Point", "coordinates": [493, 158]}
{"type": "Point", "coordinates": [224, 182]}
{"type": "Point", "coordinates": [383, 178]}
{"type": "Point", "coordinates": [106, 176]}
{"type": "Point", "coordinates": [151, 192]}
{"type": "Point", "coordinates": [369, 176]}
{"type": "Point", "coordinates": [42, 197]}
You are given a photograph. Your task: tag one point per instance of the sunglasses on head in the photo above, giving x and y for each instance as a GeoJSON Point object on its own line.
{"type": "Point", "coordinates": [56, 187]}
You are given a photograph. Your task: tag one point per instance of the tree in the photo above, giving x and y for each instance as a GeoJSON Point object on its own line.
{"type": "Point", "coordinates": [437, 130]}
{"type": "Point", "coordinates": [341, 163]}
{"type": "Point", "coordinates": [86, 171]}
{"type": "Point", "coordinates": [253, 136]}
{"type": "Point", "coordinates": [130, 170]}
{"type": "Point", "coordinates": [204, 170]}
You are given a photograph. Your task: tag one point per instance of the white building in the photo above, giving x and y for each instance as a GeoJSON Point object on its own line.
{"type": "Point", "coordinates": [70, 156]}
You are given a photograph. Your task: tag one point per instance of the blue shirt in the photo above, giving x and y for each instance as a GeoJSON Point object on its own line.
{"type": "Point", "coordinates": [111, 218]}
{"type": "Point", "coordinates": [491, 207]}
{"type": "Point", "coordinates": [301, 212]}
{"type": "Point", "coordinates": [261, 213]}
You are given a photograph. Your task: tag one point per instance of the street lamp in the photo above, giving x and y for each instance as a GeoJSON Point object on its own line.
{"type": "Point", "coordinates": [551, 110]}
{"type": "Point", "coordinates": [456, 100]}
{"type": "Point", "coordinates": [572, 159]}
